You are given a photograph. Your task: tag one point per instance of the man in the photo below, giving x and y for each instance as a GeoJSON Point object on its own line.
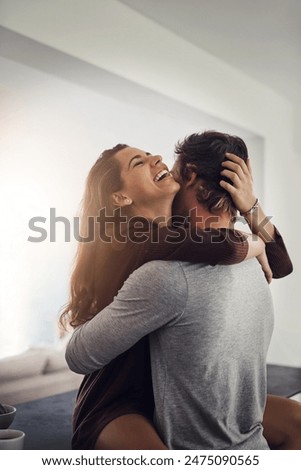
{"type": "Point", "coordinates": [282, 417]}
{"type": "Point", "coordinates": [209, 326]}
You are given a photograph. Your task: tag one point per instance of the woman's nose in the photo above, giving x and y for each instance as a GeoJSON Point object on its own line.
{"type": "Point", "coordinates": [155, 159]}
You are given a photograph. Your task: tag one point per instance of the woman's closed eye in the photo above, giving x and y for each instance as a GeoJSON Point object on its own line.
{"type": "Point", "coordinates": [139, 162]}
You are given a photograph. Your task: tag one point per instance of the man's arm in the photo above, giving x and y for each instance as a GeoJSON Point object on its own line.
{"type": "Point", "coordinates": [146, 302]}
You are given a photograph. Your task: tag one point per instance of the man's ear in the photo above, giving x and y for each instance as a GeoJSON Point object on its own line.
{"type": "Point", "coordinates": [121, 200]}
{"type": "Point", "coordinates": [191, 179]}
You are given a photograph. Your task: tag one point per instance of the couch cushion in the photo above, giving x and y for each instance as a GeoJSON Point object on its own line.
{"type": "Point", "coordinates": [55, 362]}
{"type": "Point", "coordinates": [28, 364]}
{"type": "Point", "coordinates": [33, 388]}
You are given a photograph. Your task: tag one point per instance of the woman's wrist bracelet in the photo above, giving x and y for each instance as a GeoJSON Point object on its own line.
{"type": "Point", "coordinates": [250, 211]}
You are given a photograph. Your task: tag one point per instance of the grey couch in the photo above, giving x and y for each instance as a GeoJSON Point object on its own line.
{"type": "Point", "coordinates": [35, 374]}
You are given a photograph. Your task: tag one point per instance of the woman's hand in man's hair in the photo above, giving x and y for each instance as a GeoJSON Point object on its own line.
{"type": "Point", "coordinates": [241, 189]}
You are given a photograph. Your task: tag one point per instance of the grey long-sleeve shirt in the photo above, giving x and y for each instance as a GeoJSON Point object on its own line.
{"type": "Point", "coordinates": [209, 329]}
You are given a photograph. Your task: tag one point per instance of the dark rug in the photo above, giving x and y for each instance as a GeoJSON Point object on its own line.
{"type": "Point", "coordinates": [47, 422]}
{"type": "Point", "coordinates": [284, 381]}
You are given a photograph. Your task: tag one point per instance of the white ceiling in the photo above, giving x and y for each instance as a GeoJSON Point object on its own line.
{"type": "Point", "coordinates": [260, 37]}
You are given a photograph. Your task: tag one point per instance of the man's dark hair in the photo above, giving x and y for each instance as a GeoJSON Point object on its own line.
{"type": "Point", "coordinates": [203, 154]}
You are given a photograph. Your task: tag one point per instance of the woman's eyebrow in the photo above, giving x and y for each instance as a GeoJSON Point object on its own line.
{"type": "Point", "coordinates": [138, 156]}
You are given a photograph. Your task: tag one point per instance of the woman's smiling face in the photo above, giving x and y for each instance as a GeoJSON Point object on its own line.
{"type": "Point", "coordinates": [146, 180]}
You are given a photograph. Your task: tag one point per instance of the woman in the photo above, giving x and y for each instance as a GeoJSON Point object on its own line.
{"type": "Point", "coordinates": [126, 400]}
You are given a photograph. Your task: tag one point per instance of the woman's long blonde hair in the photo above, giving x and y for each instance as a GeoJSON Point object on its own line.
{"type": "Point", "coordinates": [87, 295]}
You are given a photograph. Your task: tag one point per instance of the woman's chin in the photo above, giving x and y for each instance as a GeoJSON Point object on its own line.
{"type": "Point", "coordinates": [171, 184]}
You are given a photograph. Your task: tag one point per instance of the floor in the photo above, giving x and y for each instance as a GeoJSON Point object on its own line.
{"type": "Point", "coordinates": [47, 422]}
{"type": "Point", "coordinates": [284, 381]}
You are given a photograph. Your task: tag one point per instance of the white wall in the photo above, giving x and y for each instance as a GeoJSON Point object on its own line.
{"type": "Point", "coordinates": [120, 41]}
{"type": "Point", "coordinates": [53, 131]}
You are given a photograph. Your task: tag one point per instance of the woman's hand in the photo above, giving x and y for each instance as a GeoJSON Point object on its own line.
{"type": "Point", "coordinates": [263, 260]}
{"type": "Point", "coordinates": [240, 173]}
{"type": "Point", "coordinates": [257, 248]}
{"type": "Point", "coordinates": [242, 193]}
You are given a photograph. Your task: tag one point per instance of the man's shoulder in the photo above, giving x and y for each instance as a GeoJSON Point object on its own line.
{"type": "Point", "coordinates": [161, 284]}
{"type": "Point", "coordinates": [159, 274]}
{"type": "Point", "coordinates": [245, 275]}
{"type": "Point", "coordinates": [159, 268]}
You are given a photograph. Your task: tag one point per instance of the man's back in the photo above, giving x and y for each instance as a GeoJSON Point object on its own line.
{"type": "Point", "coordinates": [208, 365]}
{"type": "Point", "coordinates": [209, 329]}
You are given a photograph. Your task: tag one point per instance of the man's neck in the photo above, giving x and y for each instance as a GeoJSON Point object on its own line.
{"type": "Point", "coordinates": [202, 218]}
{"type": "Point", "coordinates": [159, 213]}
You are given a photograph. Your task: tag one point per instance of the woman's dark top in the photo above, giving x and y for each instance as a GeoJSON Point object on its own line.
{"type": "Point", "coordinates": [124, 386]}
